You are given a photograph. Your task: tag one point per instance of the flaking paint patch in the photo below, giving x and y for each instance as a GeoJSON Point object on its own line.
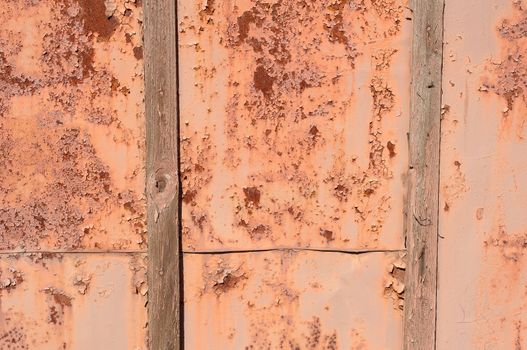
{"type": "Point", "coordinates": [300, 100]}
{"type": "Point", "coordinates": [47, 311]}
{"type": "Point", "coordinates": [71, 126]}
{"type": "Point", "coordinates": [289, 300]}
{"type": "Point", "coordinates": [482, 275]}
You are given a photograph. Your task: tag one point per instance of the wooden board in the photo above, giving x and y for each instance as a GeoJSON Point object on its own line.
{"type": "Point", "coordinates": [161, 104]}
{"type": "Point", "coordinates": [423, 184]}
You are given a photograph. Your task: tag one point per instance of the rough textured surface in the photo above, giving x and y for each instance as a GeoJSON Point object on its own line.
{"type": "Point", "coordinates": [162, 171]}
{"type": "Point", "coordinates": [71, 125]}
{"type": "Point", "coordinates": [291, 300]}
{"type": "Point", "coordinates": [71, 301]}
{"type": "Point", "coordinates": [72, 175]}
{"type": "Point", "coordinates": [293, 123]}
{"type": "Point", "coordinates": [482, 260]}
{"type": "Point", "coordinates": [424, 137]}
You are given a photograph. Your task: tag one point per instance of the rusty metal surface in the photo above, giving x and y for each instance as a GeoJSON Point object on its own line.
{"type": "Point", "coordinates": [71, 125]}
{"type": "Point", "coordinates": [294, 117]}
{"type": "Point", "coordinates": [482, 261]}
{"type": "Point", "coordinates": [293, 300]}
{"type": "Point", "coordinates": [71, 175]}
{"type": "Point", "coordinates": [72, 301]}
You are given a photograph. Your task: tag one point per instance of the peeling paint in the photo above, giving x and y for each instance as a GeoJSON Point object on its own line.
{"type": "Point", "coordinates": [71, 122]}
{"type": "Point", "coordinates": [290, 300]}
{"type": "Point", "coordinates": [72, 175]}
{"type": "Point", "coordinates": [46, 311]}
{"type": "Point", "coordinates": [301, 101]}
{"type": "Point", "coordinates": [482, 275]}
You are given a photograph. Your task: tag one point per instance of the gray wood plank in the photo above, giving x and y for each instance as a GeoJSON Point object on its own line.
{"type": "Point", "coordinates": [161, 107]}
{"type": "Point", "coordinates": [423, 186]}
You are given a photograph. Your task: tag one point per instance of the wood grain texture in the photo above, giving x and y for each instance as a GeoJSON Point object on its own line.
{"type": "Point", "coordinates": [423, 202]}
{"type": "Point", "coordinates": [161, 103]}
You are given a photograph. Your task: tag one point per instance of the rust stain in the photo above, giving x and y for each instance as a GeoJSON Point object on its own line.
{"type": "Point", "coordinates": [293, 120]}
{"type": "Point", "coordinates": [71, 121]}
{"type": "Point", "coordinates": [96, 17]}
{"type": "Point", "coordinates": [59, 297]}
{"type": "Point", "coordinates": [110, 314]}
{"type": "Point", "coordinates": [289, 300]}
{"type": "Point", "coordinates": [71, 175]}
{"type": "Point", "coordinates": [482, 275]}
{"type": "Point", "coordinates": [510, 72]}
{"type": "Point", "coordinates": [300, 100]}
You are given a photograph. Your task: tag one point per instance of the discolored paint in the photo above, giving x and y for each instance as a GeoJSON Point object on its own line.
{"type": "Point", "coordinates": [482, 261]}
{"type": "Point", "coordinates": [291, 300]}
{"type": "Point", "coordinates": [72, 301]}
{"type": "Point", "coordinates": [293, 119]}
{"type": "Point", "coordinates": [293, 123]}
{"type": "Point", "coordinates": [71, 125]}
{"type": "Point", "coordinates": [72, 175]}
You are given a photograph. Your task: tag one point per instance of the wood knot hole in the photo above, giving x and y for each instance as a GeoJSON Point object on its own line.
{"type": "Point", "coordinates": [161, 183]}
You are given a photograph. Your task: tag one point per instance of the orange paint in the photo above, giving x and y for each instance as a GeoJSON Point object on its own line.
{"type": "Point", "coordinates": [482, 274]}
{"type": "Point", "coordinates": [72, 301]}
{"type": "Point", "coordinates": [293, 118]}
{"type": "Point", "coordinates": [71, 175]}
{"type": "Point", "coordinates": [290, 300]}
{"type": "Point", "coordinates": [303, 105]}
{"type": "Point", "coordinates": [71, 116]}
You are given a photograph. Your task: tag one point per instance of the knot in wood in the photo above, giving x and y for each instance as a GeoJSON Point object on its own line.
{"type": "Point", "coordinates": [163, 186]}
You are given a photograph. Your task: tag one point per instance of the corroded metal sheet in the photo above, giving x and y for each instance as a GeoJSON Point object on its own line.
{"type": "Point", "coordinates": [294, 117]}
{"type": "Point", "coordinates": [73, 301]}
{"type": "Point", "coordinates": [482, 260]}
{"type": "Point", "coordinates": [71, 125]}
{"type": "Point", "coordinates": [293, 300]}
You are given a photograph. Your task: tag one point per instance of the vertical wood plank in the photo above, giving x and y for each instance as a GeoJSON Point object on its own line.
{"type": "Point", "coordinates": [423, 202]}
{"type": "Point", "coordinates": [161, 104]}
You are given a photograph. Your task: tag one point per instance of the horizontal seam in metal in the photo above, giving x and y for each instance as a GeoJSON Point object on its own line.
{"type": "Point", "coordinates": [9, 252]}
{"type": "Point", "coordinates": [289, 249]}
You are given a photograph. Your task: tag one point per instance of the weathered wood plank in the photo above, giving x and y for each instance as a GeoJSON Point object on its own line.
{"type": "Point", "coordinates": [162, 173]}
{"type": "Point", "coordinates": [422, 207]}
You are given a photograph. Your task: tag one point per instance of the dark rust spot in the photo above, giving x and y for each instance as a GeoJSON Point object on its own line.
{"type": "Point", "coordinates": [189, 196]}
{"type": "Point", "coordinates": [259, 232]}
{"type": "Point", "coordinates": [327, 234]}
{"type": "Point", "coordinates": [313, 131]}
{"type": "Point", "coordinates": [208, 10]}
{"type": "Point", "coordinates": [138, 52]}
{"type": "Point", "coordinates": [244, 22]}
{"type": "Point", "coordinates": [226, 279]}
{"type": "Point", "coordinates": [519, 341]}
{"type": "Point", "coordinates": [315, 333]}
{"type": "Point", "coordinates": [61, 298]}
{"type": "Point", "coordinates": [368, 192]}
{"type": "Point", "coordinates": [252, 196]}
{"type": "Point", "coordinates": [263, 81]}
{"type": "Point", "coordinates": [391, 149]}
{"type": "Point", "coordinates": [95, 20]}
{"type": "Point", "coordinates": [114, 84]}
